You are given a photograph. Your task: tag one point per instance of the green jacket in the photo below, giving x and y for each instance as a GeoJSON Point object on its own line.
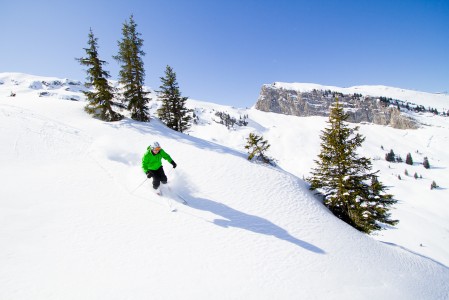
{"type": "Point", "coordinates": [151, 161]}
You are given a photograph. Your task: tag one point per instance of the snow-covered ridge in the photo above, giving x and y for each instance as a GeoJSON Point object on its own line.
{"type": "Point", "coordinates": [22, 81]}
{"type": "Point", "coordinates": [65, 89]}
{"type": "Point", "coordinates": [439, 101]}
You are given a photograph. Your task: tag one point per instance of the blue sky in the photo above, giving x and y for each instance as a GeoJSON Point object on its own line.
{"type": "Point", "coordinates": [223, 51]}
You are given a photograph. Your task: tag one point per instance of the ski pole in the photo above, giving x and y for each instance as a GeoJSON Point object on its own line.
{"type": "Point", "coordinates": [169, 171]}
{"type": "Point", "coordinates": [139, 185]}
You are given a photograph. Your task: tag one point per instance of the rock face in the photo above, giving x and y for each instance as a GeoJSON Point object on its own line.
{"type": "Point", "coordinates": [318, 102]}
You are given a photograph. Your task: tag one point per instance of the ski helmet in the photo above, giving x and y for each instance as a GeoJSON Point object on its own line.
{"type": "Point", "coordinates": [156, 145]}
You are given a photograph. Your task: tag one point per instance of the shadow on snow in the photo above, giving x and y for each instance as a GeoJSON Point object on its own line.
{"type": "Point", "coordinates": [238, 219]}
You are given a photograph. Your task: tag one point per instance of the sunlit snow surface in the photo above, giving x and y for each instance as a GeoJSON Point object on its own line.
{"type": "Point", "coordinates": [74, 223]}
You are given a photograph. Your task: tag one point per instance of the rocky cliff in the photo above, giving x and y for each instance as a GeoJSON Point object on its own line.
{"type": "Point", "coordinates": [318, 102]}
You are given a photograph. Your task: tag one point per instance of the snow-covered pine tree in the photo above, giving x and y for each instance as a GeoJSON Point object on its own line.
{"type": "Point", "coordinates": [350, 190]}
{"type": "Point", "coordinates": [173, 111]}
{"type": "Point", "coordinates": [132, 72]}
{"type": "Point", "coordinates": [100, 99]}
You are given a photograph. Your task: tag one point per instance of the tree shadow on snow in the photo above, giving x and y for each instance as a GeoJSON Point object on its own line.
{"type": "Point", "coordinates": [238, 219]}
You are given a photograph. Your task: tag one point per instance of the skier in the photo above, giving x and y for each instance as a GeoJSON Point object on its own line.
{"type": "Point", "coordinates": [152, 164]}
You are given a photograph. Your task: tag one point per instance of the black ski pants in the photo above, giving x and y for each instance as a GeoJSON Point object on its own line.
{"type": "Point", "coordinates": [158, 177]}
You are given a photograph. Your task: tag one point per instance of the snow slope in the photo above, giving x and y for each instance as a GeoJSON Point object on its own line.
{"type": "Point", "coordinates": [74, 223]}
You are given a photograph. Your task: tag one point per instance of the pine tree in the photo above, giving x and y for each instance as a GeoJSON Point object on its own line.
{"type": "Point", "coordinates": [173, 111]}
{"type": "Point", "coordinates": [350, 190]}
{"type": "Point", "coordinates": [409, 159]}
{"type": "Point", "coordinates": [379, 201]}
{"type": "Point", "coordinates": [390, 156]}
{"type": "Point", "coordinates": [132, 72]}
{"type": "Point", "coordinates": [433, 185]}
{"type": "Point", "coordinates": [257, 147]}
{"type": "Point", "coordinates": [100, 99]}
{"type": "Point", "coordinates": [426, 163]}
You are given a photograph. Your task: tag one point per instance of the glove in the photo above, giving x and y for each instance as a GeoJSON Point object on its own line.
{"type": "Point", "coordinates": [149, 174]}
{"type": "Point", "coordinates": [173, 164]}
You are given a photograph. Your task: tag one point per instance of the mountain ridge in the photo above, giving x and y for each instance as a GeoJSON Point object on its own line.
{"type": "Point", "coordinates": [359, 103]}
{"type": "Point", "coordinates": [439, 100]}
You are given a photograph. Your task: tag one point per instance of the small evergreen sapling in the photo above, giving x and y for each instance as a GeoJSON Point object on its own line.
{"type": "Point", "coordinates": [433, 185]}
{"type": "Point", "coordinates": [257, 147]}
